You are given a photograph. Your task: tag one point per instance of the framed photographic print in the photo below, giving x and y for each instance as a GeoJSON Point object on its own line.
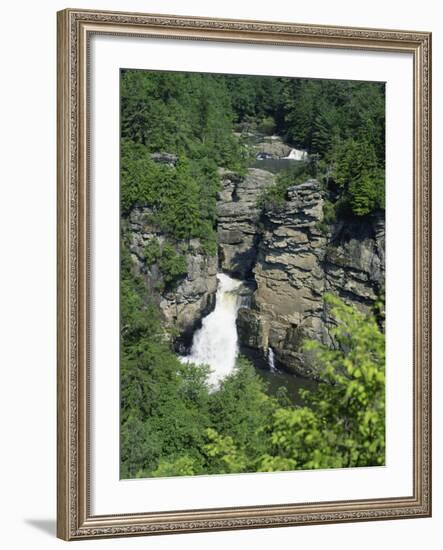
{"type": "Point", "coordinates": [243, 274]}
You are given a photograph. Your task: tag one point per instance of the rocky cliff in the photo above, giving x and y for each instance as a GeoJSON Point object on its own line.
{"type": "Point", "coordinates": [285, 258]}
{"type": "Point", "coordinates": [290, 263]}
{"type": "Point", "coordinates": [193, 295]}
{"type": "Point", "coordinates": [238, 216]}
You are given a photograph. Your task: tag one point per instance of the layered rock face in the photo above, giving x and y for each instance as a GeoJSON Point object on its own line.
{"type": "Point", "coordinates": [273, 146]}
{"type": "Point", "coordinates": [283, 256]}
{"type": "Point", "coordinates": [290, 278]}
{"type": "Point", "coordinates": [355, 260]}
{"type": "Point", "coordinates": [193, 297]}
{"type": "Point", "coordinates": [238, 215]}
{"type": "Point", "coordinates": [295, 265]}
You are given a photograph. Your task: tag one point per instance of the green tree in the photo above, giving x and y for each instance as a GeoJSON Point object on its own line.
{"type": "Point", "coordinates": [360, 177]}
{"type": "Point", "coordinates": [343, 422]}
{"type": "Point", "coordinates": [275, 197]}
{"type": "Point", "coordinates": [180, 213]}
{"type": "Point", "coordinates": [171, 423]}
{"type": "Point", "coordinates": [164, 403]}
{"type": "Point", "coordinates": [240, 409]}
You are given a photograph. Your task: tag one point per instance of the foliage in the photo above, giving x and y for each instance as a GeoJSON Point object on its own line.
{"type": "Point", "coordinates": [359, 174]}
{"type": "Point", "coordinates": [183, 113]}
{"type": "Point", "coordinates": [352, 404]}
{"type": "Point", "coordinates": [329, 216]}
{"type": "Point", "coordinates": [267, 126]}
{"type": "Point", "coordinates": [329, 213]}
{"type": "Point", "coordinates": [222, 454]}
{"type": "Point", "coordinates": [329, 119]}
{"type": "Point", "coordinates": [241, 408]}
{"type": "Point", "coordinates": [171, 422]}
{"type": "Point", "coordinates": [190, 116]}
{"type": "Point", "coordinates": [343, 422]}
{"type": "Point", "coordinates": [163, 402]}
{"type": "Point", "coordinates": [297, 441]}
{"type": "Point", "coordinates": [172, 265]}
{"type": "Point", "coordinates": [179, 208]}
{"type": "Point", "coordinates": [340, 123]}
{"type": "Point", "coordinates": [182, 466]}
{"type": "Point", "coordinates": [275, 197]}
{"type": "Point", "coordinates": [185, 429]}
{"type": "Point", "coordinates": [152, 252]}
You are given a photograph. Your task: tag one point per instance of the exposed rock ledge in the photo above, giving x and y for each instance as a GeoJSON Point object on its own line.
{"type": "Point", "coordinates": [295, 265]}
{"type": "Point", "coordinates": [194, 295]}
{"type": "Point", "coordinates": [287, 260]}
{"type": "Point", "coordinates": [238, 216]}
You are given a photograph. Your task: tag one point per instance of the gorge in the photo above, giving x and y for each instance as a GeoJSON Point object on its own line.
{"type": "Point", "coordinates": [251, 268]}
{"type": "Point", "coordinates": [280, 259]}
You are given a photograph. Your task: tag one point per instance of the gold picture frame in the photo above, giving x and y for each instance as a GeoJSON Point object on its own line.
{"type": "Point", "coordinates": [75, 28]}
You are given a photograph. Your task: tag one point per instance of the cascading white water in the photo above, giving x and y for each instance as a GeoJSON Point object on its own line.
{"type": "Point", "coordinates": [271, 360]}
{"type": "Point", "coordinates": [296, 154]}
{"type": "Point", "coordinates": [215, 343]}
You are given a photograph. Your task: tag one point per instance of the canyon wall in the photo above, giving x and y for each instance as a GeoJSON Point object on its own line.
{"type": "Point", "coordinates": [185, 303]}
{"type": "Point", "coordinates": [290, 262]}
{"type": "Point", "coordinates": [286, 259]}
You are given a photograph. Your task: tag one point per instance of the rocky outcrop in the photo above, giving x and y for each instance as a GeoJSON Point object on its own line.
{"type": "Point", "coordinates": [287, 304]}
{"type": "Point", "coordinates": [296, 264]}
{"type": "Point", "coordinates": [165, 158]}
{"type": "Point", "coordinates": [272, 146]}
{"type": "Point", "coordinates": [238, 215]}
{"type": "Point", "coordinates": [193, 295]}
{"type": "Point", "coordinates": [285, 258]}
{"type": "Point", "coordinates": [354, 260]}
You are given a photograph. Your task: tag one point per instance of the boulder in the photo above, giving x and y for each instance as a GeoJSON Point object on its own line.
{"type": "Point", "coordinates": [272, 147]}
{"type": "Point", "coordinates": [165, 158]}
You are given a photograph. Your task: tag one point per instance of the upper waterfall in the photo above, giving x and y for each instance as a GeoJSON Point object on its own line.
{"type": "Point", "coordinates": [297, 154]}
{"type": "Point", "coordinates": [215, 343]}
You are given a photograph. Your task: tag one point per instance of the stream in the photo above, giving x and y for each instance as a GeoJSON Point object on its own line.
{"type": "Point", "coordinates": [216, 344]}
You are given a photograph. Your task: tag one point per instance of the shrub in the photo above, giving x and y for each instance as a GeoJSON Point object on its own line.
{"type": "Point", "coordinates": [267, 126]}
{"type": "Point", "coordinates": [152, 252]}
{"type": "Point", "coordinates": [172, 265]}
{"type": "Point", "coordinates": [329, 214]}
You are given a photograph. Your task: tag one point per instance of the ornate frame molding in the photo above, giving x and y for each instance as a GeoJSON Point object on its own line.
{"type": "Point", "coordinates": [73, 511]}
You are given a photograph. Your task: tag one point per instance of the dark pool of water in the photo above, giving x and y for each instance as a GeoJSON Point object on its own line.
{"type": "Point", "coordinates": [277, 378]}
{"type": "Point", "coordinates": [292, 383]}
{"type": "Point", "coordinates": [277, 165]}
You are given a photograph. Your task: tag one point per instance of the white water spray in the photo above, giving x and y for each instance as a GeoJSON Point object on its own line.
{"type": "Point", "coordinates": [297, 154]}
{"type": "Point", "coordinates": [215, 344]}
{"type": "Point", "coordinates": [271, 360]}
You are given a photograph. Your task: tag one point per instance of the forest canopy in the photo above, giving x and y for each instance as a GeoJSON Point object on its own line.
{"type": "Point", "coordinates": [341, 124]}
{"type": "Point", "coordinates": [173, 424]}
{"type": "Point", "coordinates": [178, 131]}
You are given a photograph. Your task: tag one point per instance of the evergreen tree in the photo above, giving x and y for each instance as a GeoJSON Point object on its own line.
{"type": "Point", "coordinates": [171, 424]}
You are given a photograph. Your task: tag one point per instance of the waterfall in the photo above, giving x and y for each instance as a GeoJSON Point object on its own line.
{"type": "Point", "coordinates": [296, 154]}
{"type": "Point", "coordinates": [271, 360]}
{"type": "Point", "coordinates": [215, 343]}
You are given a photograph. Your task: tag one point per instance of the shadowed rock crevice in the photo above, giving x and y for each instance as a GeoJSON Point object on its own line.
{"type": "Point", "coordinates": [238, 216]}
